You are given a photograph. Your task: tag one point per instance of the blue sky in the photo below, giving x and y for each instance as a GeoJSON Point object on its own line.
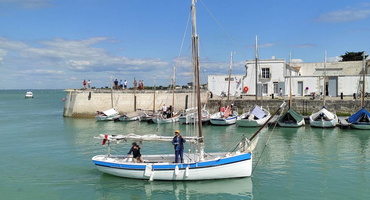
{"type": "Point", "coordinates": [56, 44]}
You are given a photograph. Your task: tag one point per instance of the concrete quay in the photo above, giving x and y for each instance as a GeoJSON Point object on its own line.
{"type": "Point", "coordinates": [85, 103]}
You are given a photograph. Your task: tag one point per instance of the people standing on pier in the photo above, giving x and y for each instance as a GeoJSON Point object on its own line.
{"type": "Point", "coordinates": [84, 84]}
{"type": "Point", "coordinates": [125, 84]}
{"type": "Point", "coordinates": [89, 84]}
{"type": "Point", "coordinates": [135, 150]}
{"type": "Point", "coordinates": [116, 84]}
{"type": "Point", "coordinates": [135, 84]}
{"type": "Point", "coordinates": [178, 142]}
{"type": "Point", "coordinates": [121, 84]}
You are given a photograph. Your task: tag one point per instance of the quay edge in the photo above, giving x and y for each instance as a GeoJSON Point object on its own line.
{"type": "Point", "coordinates": [85, 103]}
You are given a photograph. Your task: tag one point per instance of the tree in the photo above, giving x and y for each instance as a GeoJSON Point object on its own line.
{"type": "Point", "coordinates": [353, 56]}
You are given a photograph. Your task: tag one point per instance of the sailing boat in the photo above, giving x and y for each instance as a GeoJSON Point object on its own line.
{"type": "Point", "coordinates": [361, 119]}
{"type": "Point", "coordinates": [257, 116]}
{"type": "Point", "coordinates": [198, 165]}
{"type": "Point", "coordinates": [226, 116]}
{"type": "Point", "coordinates": [290, 118]}
{"type": "Point", "coordinates": [323, 118]}
{"type": "Point", "coordinates": [168, 115]}
{"type": "Point", "coordinates": [190, 116]}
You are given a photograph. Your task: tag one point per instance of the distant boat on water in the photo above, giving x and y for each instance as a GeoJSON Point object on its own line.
{"type": "Point", "coordinates": [29, 94]}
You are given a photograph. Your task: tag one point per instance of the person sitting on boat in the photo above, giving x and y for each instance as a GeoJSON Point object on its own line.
{"type": "Point", "coordinates": [178, 142]}
{"type": "Point", "coordinates": [135, 150]}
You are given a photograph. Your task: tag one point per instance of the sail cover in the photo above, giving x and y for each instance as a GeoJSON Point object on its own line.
{"type": "Point", "coordinates": [150, 137]}
{"type": "Point", "coordinates": [258, 112]}
{"type": "Point", "coordinates": [291, 115]}
{"type": "Point", "coordinates": [110, 112]}
{"type": "Point", "coordinates": [360, 116]}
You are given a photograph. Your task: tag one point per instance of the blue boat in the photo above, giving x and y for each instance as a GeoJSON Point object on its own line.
{"type": "Point", "coordinates": [360, 120]}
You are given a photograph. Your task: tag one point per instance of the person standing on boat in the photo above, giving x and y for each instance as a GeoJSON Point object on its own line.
{"type": "Point", "coordinates": [178, 142]}
{"type": "Point", "coordinates": [135, 150]}
{"type": "Point", "coordinates": [164, 110]}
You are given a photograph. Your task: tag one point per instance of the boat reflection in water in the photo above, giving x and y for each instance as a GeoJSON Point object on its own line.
{"type": "Point", "coordinates": [241, 187]}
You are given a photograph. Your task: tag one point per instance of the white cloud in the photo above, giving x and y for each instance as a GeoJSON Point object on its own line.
{"type": "Point", "coordinates": [346, 15]}
{"type": "Point", "coordinates": [307, 45]}
{"type": "Point", "coordinates": [296, 60]}
{"type": "Point", "coordinates": [27, 4]}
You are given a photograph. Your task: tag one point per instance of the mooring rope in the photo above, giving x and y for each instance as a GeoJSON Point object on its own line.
{"type": "Point", "coordinates": [259, 158]}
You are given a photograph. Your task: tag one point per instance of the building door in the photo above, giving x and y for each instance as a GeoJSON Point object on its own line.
{"type": "Point", "coordinates": [300, 88]}
{"type": "Point", "coordinates": [333, 86]}
{"type": "Point", "coordinates": [282, 86]}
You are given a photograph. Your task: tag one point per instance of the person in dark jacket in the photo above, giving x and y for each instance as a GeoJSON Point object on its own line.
{"type": "Point", "coordinates": [135, 150]}
{"type": "Point", "coordinates": [178, 142]}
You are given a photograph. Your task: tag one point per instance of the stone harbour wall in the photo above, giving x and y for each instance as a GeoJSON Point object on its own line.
{"type": "Point", "coordinates": [85, 103]}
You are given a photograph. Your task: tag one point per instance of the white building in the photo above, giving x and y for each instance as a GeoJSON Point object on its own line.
{"type": "Point", "coordinates": [307, 78]}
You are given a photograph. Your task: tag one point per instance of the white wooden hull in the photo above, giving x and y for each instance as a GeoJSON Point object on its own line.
{"type": "Point", "coordinates": [318, 119]}
{"type": "Point", "coordinates": [324, 124]}
{"type": "Point", "coordinates": [190, 119]}
{"type": "Point", "coordinates": [160, 120]}
{"type": "Point", "coordinates": [252, 122]}
{"type": "Point", "coordinates": [293, 125]}
{"type": "Point", "coordinates": [218, 119]}
{"type": "Point", "coordinates": [223, 121]}
{"type": "Point", "coordinates": [361, 126]}
{"type": "Point", "coordinates": [106, 118]}
{"type": "Point", "coordinates": [216, 168]}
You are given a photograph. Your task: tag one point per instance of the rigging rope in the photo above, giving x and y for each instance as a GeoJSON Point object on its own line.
{"type": "Point", "coordinates": [268, 139]}
{"type": "Point", "coordinates": [222, 28]}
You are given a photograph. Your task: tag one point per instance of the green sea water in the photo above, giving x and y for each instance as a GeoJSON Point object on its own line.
{"type": "Point", "coordinates": [46, 156]}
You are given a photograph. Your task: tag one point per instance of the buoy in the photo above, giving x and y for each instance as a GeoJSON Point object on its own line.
{"type": "Point", "coordinates": [245, 89]}
{"type": "Point", "coordinates": [63, 99]}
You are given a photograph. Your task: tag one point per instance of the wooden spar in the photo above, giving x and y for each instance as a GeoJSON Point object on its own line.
{"type": "Point", "coordinates": [135, 83]}
{"type": "Point", "coordinates": [111, 91]}
{"type": "Point", "coordinates": [173, 87]}
{"type": "Point", "coordinates": [256, 65]}
{"type": "Point", "coordinates": [324, 90]}
{"type": "Point", "coordinates": [154, 97]}
{"type": "Point", "coordinates": [258, 131]}
{"type": "Point", "coordinates": [290, 81]}
{"type": "Point", "coordinates": [363, 80]}
{"type": "Point", "coordinates": [195, 55]}
{"type": "Point", "coordinates": [228, 87]}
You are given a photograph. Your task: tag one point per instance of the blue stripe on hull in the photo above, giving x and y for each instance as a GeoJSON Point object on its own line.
{"type": "Point", "coordinates": [213, 163]}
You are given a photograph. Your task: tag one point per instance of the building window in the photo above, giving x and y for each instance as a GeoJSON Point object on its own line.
{"type": "Point", "coordinates": [276, 88]}
{"type": "Point", "coordinates": [265, 73]}
{"type": "Point", "coordinates": [264, 89]}
{"type": "Point", "coordinates": [227, 79]}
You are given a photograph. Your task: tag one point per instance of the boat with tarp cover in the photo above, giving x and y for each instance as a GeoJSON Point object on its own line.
{"type": "Point", "coordinates": [360, 120]}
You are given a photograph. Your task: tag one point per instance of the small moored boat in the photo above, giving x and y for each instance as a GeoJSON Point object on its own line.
{"type": "Point", "coordinates": [29, 94]}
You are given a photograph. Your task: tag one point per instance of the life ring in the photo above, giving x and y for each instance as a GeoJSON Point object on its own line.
{"type": "Point", "coordinates": [245, 89]}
